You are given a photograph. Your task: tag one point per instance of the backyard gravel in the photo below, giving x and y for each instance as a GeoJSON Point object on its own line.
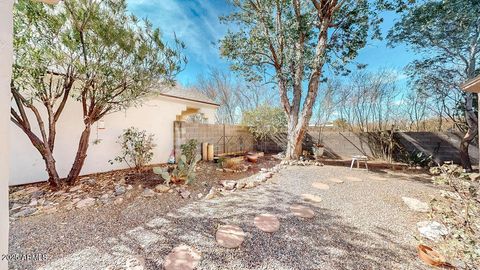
{"type": "Point", "coordinates": [357, 225]}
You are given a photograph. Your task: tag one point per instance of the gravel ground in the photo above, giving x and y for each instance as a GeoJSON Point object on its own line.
{"type": "Point", "coordinates": [358, 225]}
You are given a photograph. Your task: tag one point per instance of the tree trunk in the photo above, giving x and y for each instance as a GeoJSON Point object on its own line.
{"type": "Point", "coordinates": [295, 135]}
{"type": "Point", "coordinates": [51, 168]}
{"type": "Point", "coordinates": [472, 122]}
{"type": "Point", "coordinates": [80, 156]}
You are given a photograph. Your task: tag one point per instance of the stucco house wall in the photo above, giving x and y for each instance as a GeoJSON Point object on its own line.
{"type": "Point", "coordinates": [156, 115]}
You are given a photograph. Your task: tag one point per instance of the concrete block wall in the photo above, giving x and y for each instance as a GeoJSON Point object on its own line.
{"type": "Point", "coordinates": [225, 138]}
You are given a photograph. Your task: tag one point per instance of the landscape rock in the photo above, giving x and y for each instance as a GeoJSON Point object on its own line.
{"type": "Point", "coordinates": [432, 230]}
{"type": "Point", "coordinates": [229, 184]}
{"type": "Point", "coordinates": [25, 212]}
{"type": "Point", "coordinates": [148, 193]}
{"type": "Point", "coordinates": [199, 195]}
{"type": "Point", "coordinates": [162, 188]}
{"type": "Point", "coordinates": [89, 181]}
{"type": "Point", "coordinates": [184, 193]}
{"type": "Point", "coordinates": [416, 205]}
{"type": "Point", "coordinates": [211, 194]}
{"type": "Point", "coordinates": [86, 202]}
{"type": "Point", "coordinates": [37, 194]}
{"type": "Point", "coordinates": [118, 201]}
{"type": "Point", "coordinates": [119, 190]}
{"type": "Point", "coordinates": [75, 188]}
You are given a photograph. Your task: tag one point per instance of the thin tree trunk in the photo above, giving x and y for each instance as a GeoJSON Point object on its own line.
{"type": "Point", "coordinates": [470, 134]}
{"type": "Point", "coordinates": [80, 156]}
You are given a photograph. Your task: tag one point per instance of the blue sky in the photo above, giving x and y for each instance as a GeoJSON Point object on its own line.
{"type": "Point", "coordinates": [196, 23]}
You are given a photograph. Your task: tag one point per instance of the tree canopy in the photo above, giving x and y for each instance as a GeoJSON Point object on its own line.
{"type": "Point", "coordinates": [290, 41]}
{"type": "Point", "coordinates": [90, 51]}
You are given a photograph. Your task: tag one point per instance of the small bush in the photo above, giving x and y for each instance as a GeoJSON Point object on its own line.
{"type": "Point", "coordinates": [459, 209]}
{"type": "Point", "coordinates": [137, 148]}
{"type": "Point", "coordinates": [190, 150]}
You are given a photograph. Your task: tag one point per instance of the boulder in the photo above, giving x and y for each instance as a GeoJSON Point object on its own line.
{"type": "Point", "coordinates": [432, 230]}
{"type": "Point", "coordinates": [416, 205]}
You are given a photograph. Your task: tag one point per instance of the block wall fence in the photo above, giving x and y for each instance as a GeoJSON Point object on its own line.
{"type": "Point", "coordinates": [443, 146]}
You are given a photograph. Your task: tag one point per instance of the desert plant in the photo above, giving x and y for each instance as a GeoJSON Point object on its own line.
{"type": "Point", "coordinates": [183, 171]}
{"type": "Point", "coordinates": [459, 209]}
{"type": "Point", "coordinates": [190, 150]}
{"type": "Point", "coordinates": [137, 148]}
{"type": "Point", "coordinates": [417, 158]}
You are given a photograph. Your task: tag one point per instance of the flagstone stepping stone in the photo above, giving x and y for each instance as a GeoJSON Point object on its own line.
{"type": "Point", "coordinates": [311, 198]}
{"type": "Point", "coordinates": [230, 236]}
{"type": "Point", "coordinates": [321, 186]}
{"type": "Point", "coordinates": [182, 257]}
{"type": "Point", "coordinates": [267, 222]}
{"type": "Point", "coordinates": [302, 211]}
{"type": "Point", "coordinates": [353, 179]}
{"type": "Point", "coordinates": [335, 180]}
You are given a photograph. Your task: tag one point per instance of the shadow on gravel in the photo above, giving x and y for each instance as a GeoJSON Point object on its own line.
{"type": "Point", "coordinates": [324, 242]}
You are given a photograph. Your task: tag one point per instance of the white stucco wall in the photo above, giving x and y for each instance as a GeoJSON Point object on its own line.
{"type": "Point", "coordinates": [6, 57]}
{"type": "Point", "coordinates": [155, 115]}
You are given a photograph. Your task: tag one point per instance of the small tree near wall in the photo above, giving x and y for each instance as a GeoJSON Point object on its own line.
{"type": "Point", "coordinates": [265, 121]}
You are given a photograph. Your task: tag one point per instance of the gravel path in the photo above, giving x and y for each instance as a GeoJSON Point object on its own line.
{"type": "Point", "coordinates": [357, 225]}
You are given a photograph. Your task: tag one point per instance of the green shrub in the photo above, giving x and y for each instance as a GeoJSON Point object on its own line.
{"type": "Point", "coordinates": [190, 150]}
{"type": "Point", "coordinates": [137, 148]}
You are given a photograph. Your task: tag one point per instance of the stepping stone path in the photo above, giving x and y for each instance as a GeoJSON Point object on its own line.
{"type": "Point", "coordinates": [320, 186]}
{"type": "Point", "coordinates": [353, 179]}
{"type": "Point", "coordinates": [182, 258]}
{"type": "Point", "coordinates": [267, 222]}
{"type": "Point", "coordinates": [230, 236]}
{"type": "Point", "coordinates": [335, 180]}
{"type": "Point", "coordinates": [311, 198]}
{"type": "Point", "coordinates": [302, 211]}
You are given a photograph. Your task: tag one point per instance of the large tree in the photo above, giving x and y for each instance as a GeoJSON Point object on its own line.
{"type": "Point", "coordinates": [86, 51]}
{"type": "Point", "coordinates": [289, 42]}
{"type": "Point", "coordinates": [446, 34]}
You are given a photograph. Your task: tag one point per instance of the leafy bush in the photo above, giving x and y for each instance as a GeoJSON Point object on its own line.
{"type": "Point", "coordinates": [137, 148]}
{"type": "Point", "coordinates": [190, 150]}
{"type": "Point", "coordinates": [265, 121]}
{"type": "Point", "coordinates": [459, 210]}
